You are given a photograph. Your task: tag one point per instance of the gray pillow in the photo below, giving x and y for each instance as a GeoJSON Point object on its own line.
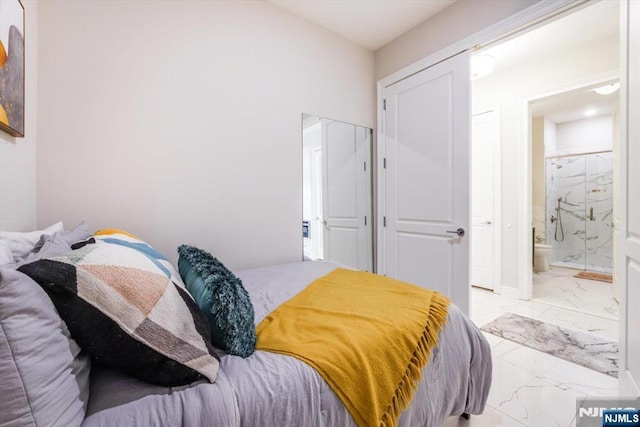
{"type": "Point", "coordinates": [78, 233]}
{"type": "Point", "coordinates": [45, 377]}
{"type": "Point", "coordinates": [51, 246]}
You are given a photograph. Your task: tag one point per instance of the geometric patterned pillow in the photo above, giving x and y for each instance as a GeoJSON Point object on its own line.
{"type": "Point", "coordinates": [120, 237]}
{"type": "Point", "coordinates": [128, 313]}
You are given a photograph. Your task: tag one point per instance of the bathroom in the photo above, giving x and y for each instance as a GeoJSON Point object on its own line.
{"type": "Point", "coordinates": [572, 180]}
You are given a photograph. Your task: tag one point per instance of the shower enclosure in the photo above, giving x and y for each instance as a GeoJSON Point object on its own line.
{"type": "Point", "coordinates": [579, 193]}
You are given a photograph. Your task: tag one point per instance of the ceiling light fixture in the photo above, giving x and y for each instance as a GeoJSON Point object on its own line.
{"type": "Point", "coordinates": [481, 66]}
{"type": "Point", "coordinates": [607, 89]}
{"type": "Point", "coordinates": [590, 112]}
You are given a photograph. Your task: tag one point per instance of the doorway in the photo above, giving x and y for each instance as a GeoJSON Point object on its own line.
{"type": "Point", "coordinates": [523, 69]}
{"type": "Point", "coordinates": [573, 134]}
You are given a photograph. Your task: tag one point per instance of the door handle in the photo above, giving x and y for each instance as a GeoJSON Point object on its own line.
{"type": "Point", "coordinates": [488, 222]}
{"type": "Point", "coordinates": [591, 214]}
{"type": "Point", "coordinates": [459, 232]}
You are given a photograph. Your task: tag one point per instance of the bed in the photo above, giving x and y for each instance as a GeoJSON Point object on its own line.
{"type": "Point", "coordinates": [270, 389]}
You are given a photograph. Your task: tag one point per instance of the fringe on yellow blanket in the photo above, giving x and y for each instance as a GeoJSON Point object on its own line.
{"type": "Point", "coordinates": [368, 336]}
{"type": "Point", "coordinates": [409, 383]}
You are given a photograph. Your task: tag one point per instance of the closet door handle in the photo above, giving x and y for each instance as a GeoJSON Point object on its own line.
{"type": "Point", "coordinates": [459, 232]}
{"type": "Point", "coordinates": [591, 214]}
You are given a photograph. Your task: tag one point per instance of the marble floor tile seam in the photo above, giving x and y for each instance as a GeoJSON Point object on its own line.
{"type": "Point", "coordinates": [570, 390]}
{"type": "Point", "coordinates": [543, 316]}
{"type": "Point", "coordinates": [568, 308]}
{"type": "Point", "coordinates": [580, 383]}
{"type": "Point", "coordinates": [517, 402]}
{"type": "Point", "coordinates": [563, 385]}
{"type": "Point", "coordinates": [504, 414]}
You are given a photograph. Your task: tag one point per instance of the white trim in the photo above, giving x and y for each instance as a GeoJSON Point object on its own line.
{"type": "Point", "coordinates": [628, 246]}
{"type": "Point", "coordinates": [380, 178]}
{"type": "Point", "coordinates": [525, 217]}
{"type": "Point", "coordinates": [511, 292]}
{"type": "Point", "coordinates": [536, 13]}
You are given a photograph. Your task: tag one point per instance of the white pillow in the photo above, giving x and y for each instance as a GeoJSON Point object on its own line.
{"type": "Point", "coordinates": [20, 244]}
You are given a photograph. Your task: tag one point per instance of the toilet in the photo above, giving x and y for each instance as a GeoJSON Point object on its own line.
{"type": "Point", "coordinates": [541, 257]}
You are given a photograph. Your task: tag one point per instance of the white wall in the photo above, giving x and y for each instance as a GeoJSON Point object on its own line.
{"type": "Point", "coordinates": [537, 176]}
{"type": "Point", "coordinates": [510, 89]}
{"type": "Point", "coordinates": [18, 155]}
{"type": "Point", "coordinates": [584, 136]}
{"type": "Point", "coordinates": [550, 137]}
{"type": "Point", "coordinates": [181, 121]}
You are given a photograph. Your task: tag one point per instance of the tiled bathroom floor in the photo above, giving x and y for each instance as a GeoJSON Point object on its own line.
{"type": "Point", "coordinates": [532, 388]}
{"type": "Point", "coordinates": [558, 287]}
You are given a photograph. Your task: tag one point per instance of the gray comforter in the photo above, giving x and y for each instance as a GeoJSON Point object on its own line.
{"type": "Point", "coordinates": [269, 389]}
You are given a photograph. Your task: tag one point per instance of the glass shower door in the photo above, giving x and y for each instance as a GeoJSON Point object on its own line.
{"type": "Point", "coordinates": [599, 214]}
{"type": "Point", "coordinates": [565, 210]}
{"type": "Point", "coordinates": [580, 211]}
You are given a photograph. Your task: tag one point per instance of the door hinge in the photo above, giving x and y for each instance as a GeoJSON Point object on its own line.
{"type": "Point", "coordinates": [384, 163]}
{"type": "Point", "coordinates": [384, 221]}
{"type": "Point", "coordinates": [365, 166]}
{"type": "Point", "coordinates": [365, 220]}
{"type": "Point", "coordinates": [384, 104]}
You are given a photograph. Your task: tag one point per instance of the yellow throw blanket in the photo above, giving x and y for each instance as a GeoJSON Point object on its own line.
{"type": "Point", "coordinates": [368, 336]}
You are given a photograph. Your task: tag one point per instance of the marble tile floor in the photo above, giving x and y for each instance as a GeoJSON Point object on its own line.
{"type": "Point", "coordinates": [558, 287]}
{"type": "Point", "coordinates": [529, 387]}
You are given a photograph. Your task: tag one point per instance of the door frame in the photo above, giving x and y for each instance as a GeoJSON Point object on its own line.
{"type": "Point", "coordinates": [538, 14]}
{"type": "Point", "coordinates": [525, 271]}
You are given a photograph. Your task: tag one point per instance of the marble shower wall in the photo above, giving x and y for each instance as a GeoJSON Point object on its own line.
{"type": "Point", "coordinates": [582, 236]}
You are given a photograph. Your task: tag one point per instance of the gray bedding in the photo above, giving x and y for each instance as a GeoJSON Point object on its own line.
{"type": "Point", "coordinates": [269, 389]}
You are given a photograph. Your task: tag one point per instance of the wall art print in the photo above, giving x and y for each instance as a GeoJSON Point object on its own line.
{"type": "Point", "coordinates": [12, 67]}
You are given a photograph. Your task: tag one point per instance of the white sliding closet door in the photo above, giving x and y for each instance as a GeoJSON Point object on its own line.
{"type": "Point", "coordinates": [426, 179]}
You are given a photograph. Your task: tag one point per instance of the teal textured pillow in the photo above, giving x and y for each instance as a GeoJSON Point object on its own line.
{"type": "Point", "coordinates": [221, 296]}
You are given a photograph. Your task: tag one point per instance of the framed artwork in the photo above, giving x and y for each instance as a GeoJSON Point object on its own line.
{"type": "Point", "coordinates": [12, 67]}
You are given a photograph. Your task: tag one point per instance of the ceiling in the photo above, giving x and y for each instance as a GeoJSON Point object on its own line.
{"type": "Point", "coordinates": [575, 105]}
{"type": "Point", "coordinates": [369, 23]}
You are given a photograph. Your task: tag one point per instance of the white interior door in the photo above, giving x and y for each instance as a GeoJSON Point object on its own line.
{"type": "Point", "coordinates": [483, 145]}
{"type": "Point", "coordinates": [426, 179]}
{"type": "Point", "coordinates": [346, 194]}
{"type": "Point", "coordinates": [628, 247]}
